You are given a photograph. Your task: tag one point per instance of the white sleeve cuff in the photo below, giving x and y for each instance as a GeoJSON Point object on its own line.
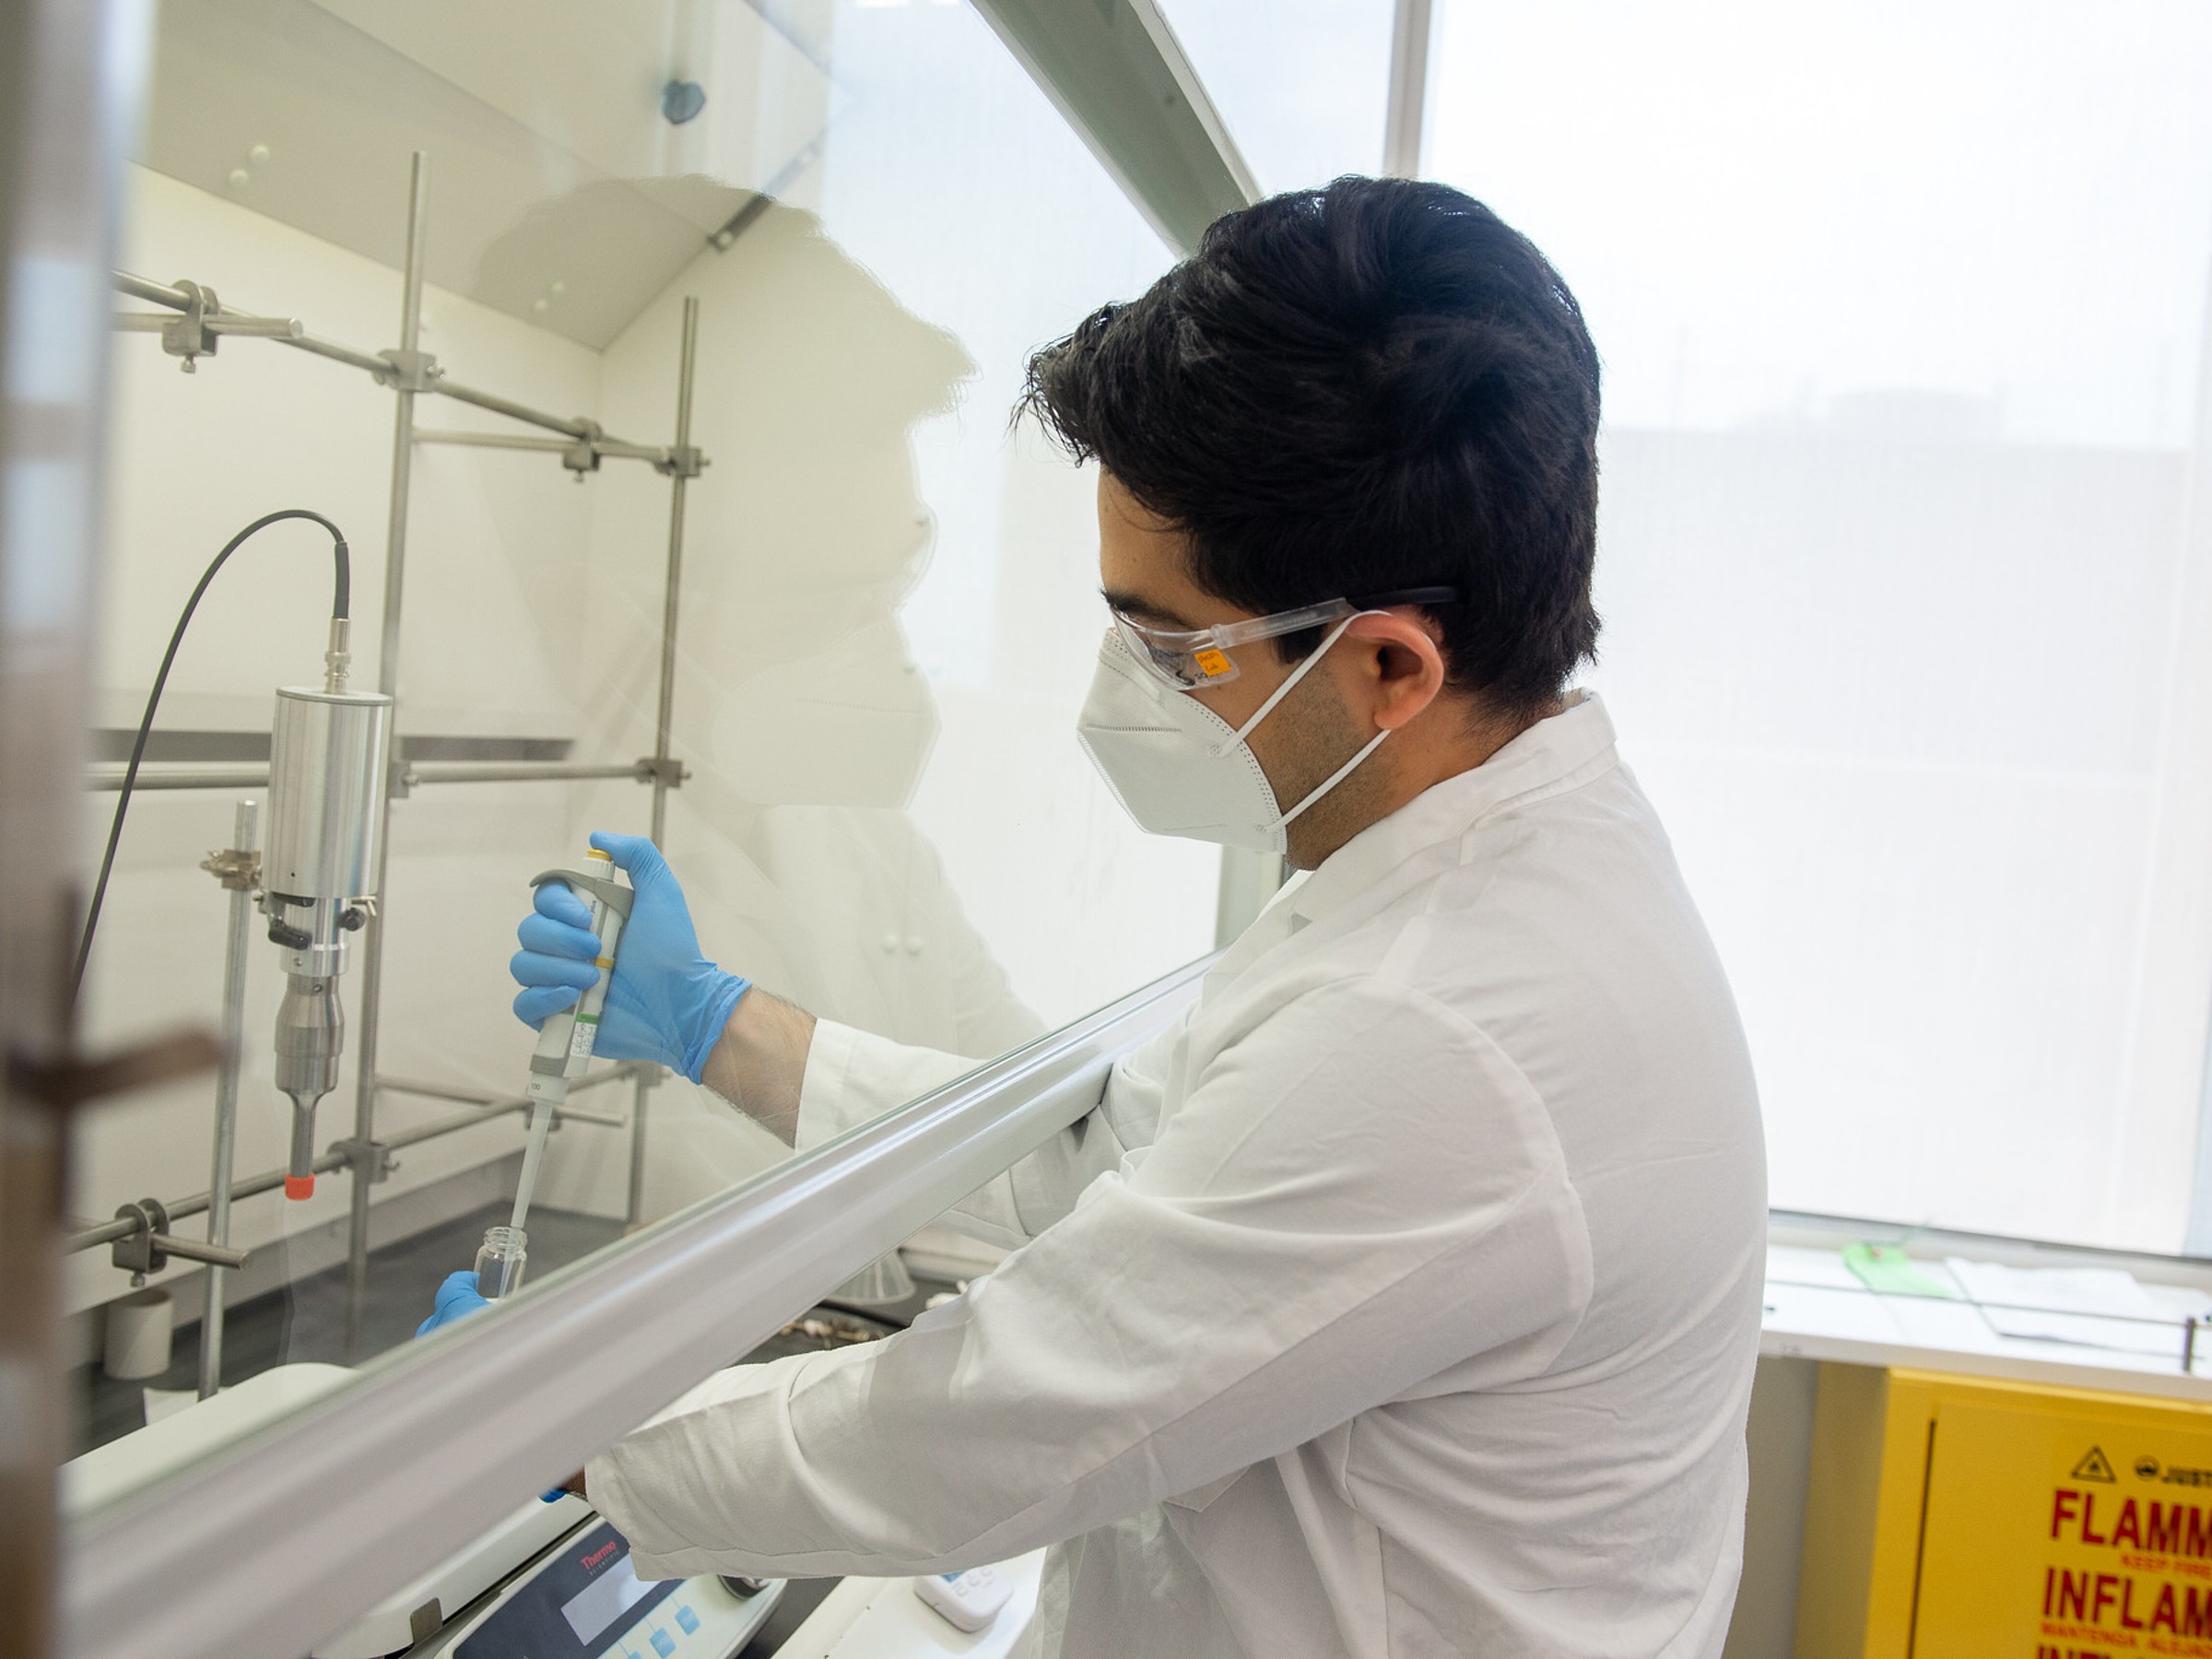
{"type": "Point", "coordinates": [853, 1076]}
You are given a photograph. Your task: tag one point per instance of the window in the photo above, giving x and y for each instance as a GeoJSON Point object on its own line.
{"type": "Point", "coordinates": [1301, 84]}
{"type": "Point", "coordinates": [1903, 554]}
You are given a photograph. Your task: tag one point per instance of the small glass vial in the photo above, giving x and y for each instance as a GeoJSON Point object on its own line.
{"type": "Point", "coordinates": [499, 1262]}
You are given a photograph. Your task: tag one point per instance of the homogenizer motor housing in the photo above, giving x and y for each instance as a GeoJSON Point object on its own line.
{"type": "Point", "coordinates": [327, 755]}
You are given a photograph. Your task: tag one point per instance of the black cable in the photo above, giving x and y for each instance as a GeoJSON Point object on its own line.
{"type": "Point", "coordinates": [340, 604]}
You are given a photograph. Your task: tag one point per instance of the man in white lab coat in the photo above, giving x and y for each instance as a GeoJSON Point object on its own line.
{"type": "Point", "coordinates": [1402, 1299]}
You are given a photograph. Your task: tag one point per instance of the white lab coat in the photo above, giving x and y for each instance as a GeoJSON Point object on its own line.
{"type": "Point", "coordinates": [1401, 1300]}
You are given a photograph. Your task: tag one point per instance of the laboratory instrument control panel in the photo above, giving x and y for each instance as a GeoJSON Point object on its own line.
{"type": "Point", "coordinates": [584, 1600]}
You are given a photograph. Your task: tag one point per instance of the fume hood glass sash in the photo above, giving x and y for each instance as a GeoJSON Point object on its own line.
{"type": "Point", "coordinates": [271, 1545]}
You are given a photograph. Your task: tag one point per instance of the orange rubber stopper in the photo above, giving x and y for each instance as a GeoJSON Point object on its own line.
{"type": "Point", "coordinates": [299, 1186]}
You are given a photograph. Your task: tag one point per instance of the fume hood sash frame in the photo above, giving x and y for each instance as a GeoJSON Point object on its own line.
{"type": "Point", "coordinates": [271, 1544]}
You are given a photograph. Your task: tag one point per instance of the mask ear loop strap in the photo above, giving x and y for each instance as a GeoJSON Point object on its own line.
{"type": "Point", "coordinates": [1339, 775]}
{"type": "Point", "coordinates": [1284, 689]}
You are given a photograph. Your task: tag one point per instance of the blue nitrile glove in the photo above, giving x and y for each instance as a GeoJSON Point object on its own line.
{"type": "Point", "coordinates": [456, 1299]}
{"type": "Point", "coordinates": [667, 1002]}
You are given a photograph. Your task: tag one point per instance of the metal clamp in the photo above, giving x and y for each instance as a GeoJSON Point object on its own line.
{"type": "Point", "coordinates": [198, 327]}
{"type": "Point", "coordinates": [236, 869]}
{"type": "Point", "coordinates": [188, 335]}
{"type": "Point", "coordinates": [583, 455]}
{"type": "Point", "coordinates": [681, 460]}
{"type": "Point", "coordinates": [411, 370]}
{"type": "Point", "coordinates": [147, 1247]}
{"type": "Point", "coordinates": [666, 770]}
{"type": "Point", "coordinates": [369, 1161]}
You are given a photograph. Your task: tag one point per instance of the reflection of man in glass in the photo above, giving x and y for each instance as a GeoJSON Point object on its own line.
{"type": "Point", "coordinates": [802, 715]}
{"type": "Point", "coordinates": [1402, 1299]}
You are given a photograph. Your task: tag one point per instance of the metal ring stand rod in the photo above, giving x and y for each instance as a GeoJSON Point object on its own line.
{"type": "Point", "coordinates": [286, 331]}
{"type": "Point", "coordinates": [236, 871]}
{"type": "Point", "coordinates": [487, 1107]}
{"type": "Point", "coordinates": [367, 1160]}
{"type": "Point", "coordinates": [186, 775]}
{"type": "Point", "coordinates": [680, 473]}
{"type": "Point", "coordinates": [615, 447]}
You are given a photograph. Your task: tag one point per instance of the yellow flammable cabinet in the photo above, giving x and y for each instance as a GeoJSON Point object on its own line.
{"type": "Point", "coordinates": [1956, 1518]}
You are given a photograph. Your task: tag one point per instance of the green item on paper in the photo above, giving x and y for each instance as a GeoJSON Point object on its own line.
{"type": "Point", "coordinates": [1886, 1268]}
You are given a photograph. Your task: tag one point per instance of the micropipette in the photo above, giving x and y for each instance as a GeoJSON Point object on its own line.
{"type": "Point", "coordinates": [565, 1039]}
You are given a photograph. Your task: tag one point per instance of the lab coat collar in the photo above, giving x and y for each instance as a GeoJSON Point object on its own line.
{"type": "Point", "coordinates": [1558, 753]}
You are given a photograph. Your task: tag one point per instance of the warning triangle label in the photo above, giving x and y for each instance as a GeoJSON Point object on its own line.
{"type": "Point", "coordinates": [2093, 1466]}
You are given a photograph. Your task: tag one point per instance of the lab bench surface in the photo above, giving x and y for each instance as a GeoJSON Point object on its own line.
{"type": "Point", "coordinates": [1818, 1309]}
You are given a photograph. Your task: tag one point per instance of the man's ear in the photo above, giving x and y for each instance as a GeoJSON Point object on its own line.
{"type": "Point", "coordinates": [1401, 662]}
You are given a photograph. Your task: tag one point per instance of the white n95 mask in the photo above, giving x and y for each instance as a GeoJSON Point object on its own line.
{"type": "Point", "coordinates": [1177, 766]}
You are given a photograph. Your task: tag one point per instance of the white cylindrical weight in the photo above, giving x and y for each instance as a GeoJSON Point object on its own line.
{"type": "Point", "coordinates": [139, 1327]}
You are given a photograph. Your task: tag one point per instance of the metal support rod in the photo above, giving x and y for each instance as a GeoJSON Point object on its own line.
{"type": "Point", "coordinates": [285, 332]}
{"type": "Point", "coordinates": [246, 1186]}
{"type": "Point", "coordinates": [664, 716]}
{"type": "Point", "coordinates": [521, 772]}
{"type": "Point", "coordinates": [218, 1258]}
{"type": "Point", "coordinates": [610, 448]}
{"type": "Point", "coordinates": [492, 1105]}
{"type": "Point", "coordinates": [154, 293]}
{"type": "Point", "coordinates": [477, 1097]}
{"type": "Point", "coordinates": [509, 440]}
{"type": "Point", "coordinates": [268, 1181]}
{"type": "Point", "coordinates": [672, 595]}
{"type": "Point", "coordinates": [387, 681]}
{"type": "Point", "coordinates": [1405, 114]}
{"type": "Point", "coordinates": [439, 1128]}
{"type": "Point", "coordinates": [574, 425]}
{"type": "Point", "coordinates": [109, 775]}
{"type": "Point", "coordinates": [342, 354]}
{"type": "Point", "coordinates": [274, 328]}
{"type": "Point", "coordinates": [243, 840]}
{"type": "Point", "coordinates": [188, 774]}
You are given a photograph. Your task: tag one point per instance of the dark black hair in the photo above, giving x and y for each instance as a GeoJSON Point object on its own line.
{"type": "Point", "coordinates": [1373, 386]}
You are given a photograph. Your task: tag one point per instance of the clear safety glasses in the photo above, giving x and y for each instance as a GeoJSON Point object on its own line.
{"type": "Point", "coordinates": [1187, 658]}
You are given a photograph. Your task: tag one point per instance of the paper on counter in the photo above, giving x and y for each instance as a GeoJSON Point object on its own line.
{"type": "Point", "coordinates": [2062, 1304]}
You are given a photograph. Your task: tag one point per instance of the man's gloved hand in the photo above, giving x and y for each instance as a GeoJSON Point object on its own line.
{"type": "Point", "coordinates": [667, 1002]}
{"type": "Point", "coordinates": [457, 1299]}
